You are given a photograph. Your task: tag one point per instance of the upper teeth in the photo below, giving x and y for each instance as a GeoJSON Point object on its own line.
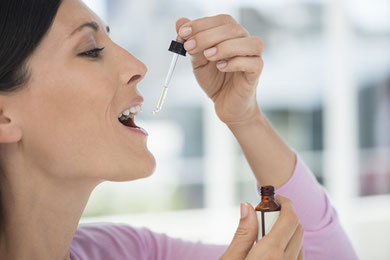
{"type": "Point", "coordinates": [131, 112]}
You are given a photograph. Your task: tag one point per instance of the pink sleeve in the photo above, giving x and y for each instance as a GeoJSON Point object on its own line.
{"type": "Point", "coordinates": [102, 241]}
{"type": "Point", "coordinates": [162, 247]}
{"type": "Point", "coordinates": [324, 237]}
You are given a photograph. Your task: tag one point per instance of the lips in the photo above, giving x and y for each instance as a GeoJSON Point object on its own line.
{"type": "Point", "coordinates": [126, 117]}
{"type": "Point", "coordinates": [138, 101]}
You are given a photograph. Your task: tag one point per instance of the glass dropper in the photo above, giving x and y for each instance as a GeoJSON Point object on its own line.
{"type": "Point", "coordinates": [177, 48]}
{"type": "Point", "coordinates": [166, 84]}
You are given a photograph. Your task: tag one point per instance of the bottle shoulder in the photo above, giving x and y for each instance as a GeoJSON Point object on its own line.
{"type": "Point", "coordinates": [267, 206]}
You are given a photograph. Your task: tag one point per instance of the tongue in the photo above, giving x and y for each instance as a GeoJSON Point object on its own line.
{"type": "Point", "coordinates": [129, 122]}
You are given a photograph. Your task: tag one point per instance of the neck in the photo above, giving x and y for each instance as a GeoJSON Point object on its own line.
{"type": "Point", "coordinates": [41, 215]}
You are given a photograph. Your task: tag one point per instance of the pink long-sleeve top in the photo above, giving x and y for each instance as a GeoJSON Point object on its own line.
{"type": "Point", "coordinates": [324, 238]}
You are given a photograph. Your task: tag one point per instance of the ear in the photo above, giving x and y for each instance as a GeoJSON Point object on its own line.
{"type": "Point", "coordinates": [10, 132]}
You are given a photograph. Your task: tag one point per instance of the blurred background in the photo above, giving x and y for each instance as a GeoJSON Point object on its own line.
{"type": "Point", "coordinates": [325, 88]}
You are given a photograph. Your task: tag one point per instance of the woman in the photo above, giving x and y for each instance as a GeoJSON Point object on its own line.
{"type": "Point", "coordinates": [63, 84]}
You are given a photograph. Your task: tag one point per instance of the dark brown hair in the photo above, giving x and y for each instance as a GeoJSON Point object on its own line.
{"type": "Point", "coordinates": [23, 24]}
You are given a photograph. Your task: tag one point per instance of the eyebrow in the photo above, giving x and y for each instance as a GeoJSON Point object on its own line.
{"type": "Point", "coordinates": [94, 25]}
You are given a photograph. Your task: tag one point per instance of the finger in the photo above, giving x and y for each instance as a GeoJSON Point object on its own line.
{"type": "Point", "coordinates": [245, 235]}
{"type": "Point", "coordinates": [190, 28]}
{"type": "Point", "coordinates": [248, 46]}
{"type": "Point", "coordinates": [211, 37]}
{"type": "Point", "coordinates": [301, 255]}
{"type": "Point", "coordinates": [179, 23]}
{"type": "Point", "coordinates": [294, 246]}
{"type": "Point", "coordinates": [251, 66]}
{"type": "Point", "coordinates": [285, 225]}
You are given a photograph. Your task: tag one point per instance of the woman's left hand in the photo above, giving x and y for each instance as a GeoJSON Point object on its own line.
{"type": "Point", "coordinates": [227, 64]}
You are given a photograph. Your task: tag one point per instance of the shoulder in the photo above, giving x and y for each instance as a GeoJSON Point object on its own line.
{"type": "Point", "coordinates": [108, 241]}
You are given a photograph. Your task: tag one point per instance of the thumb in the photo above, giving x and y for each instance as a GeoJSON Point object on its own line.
{"type": "Point", "coordinates": [179, 23]}
{"type": "Point", "coordinates": [245, 235]}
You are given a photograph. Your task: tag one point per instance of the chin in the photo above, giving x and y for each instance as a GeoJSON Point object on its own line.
{"type": "Point", "coordinates": [149, 167]}
{"type": "Point", "coordinates": [144, 167]}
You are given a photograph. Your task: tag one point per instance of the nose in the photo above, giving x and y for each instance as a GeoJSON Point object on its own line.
{"type": "Point", "coordinates": [132, 70]}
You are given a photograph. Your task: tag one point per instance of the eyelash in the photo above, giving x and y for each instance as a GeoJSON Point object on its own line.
{"type": "Point", "coordinates": [94, 53]}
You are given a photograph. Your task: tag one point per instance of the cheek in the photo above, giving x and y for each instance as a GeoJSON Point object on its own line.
{"type": "Point", "coordinates": [72, 130]}
{"type": "Point", "coordinates": [66, 123]}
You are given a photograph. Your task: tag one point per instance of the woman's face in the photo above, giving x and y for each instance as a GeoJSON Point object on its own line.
{"type": "Point", "coordinates": [68, 112]}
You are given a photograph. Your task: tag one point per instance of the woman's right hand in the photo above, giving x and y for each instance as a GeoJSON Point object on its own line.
{"type": "Point", "coordinates": [284, 241]}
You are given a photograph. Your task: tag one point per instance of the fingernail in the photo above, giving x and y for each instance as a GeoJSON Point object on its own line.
{"type": "Point", "coordinates": [185, 31]}
{"type": "Point", "coordinates": [210, 52]}
{"type": "Point", "coordinates": [221, 64]}
{"type": "Point", "coordinates": [243, 210]}
{"type": "Point", "coordinates": [189, 45]}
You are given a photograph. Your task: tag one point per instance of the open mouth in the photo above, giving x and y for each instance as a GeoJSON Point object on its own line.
{"type": "Point", "coordinates": [126, 118]}
{"type": "Point", "coordinates": [127, 121]}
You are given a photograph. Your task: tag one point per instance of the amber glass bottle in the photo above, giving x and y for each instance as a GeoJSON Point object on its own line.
{"type": "Point", "coordinates": [267, 211]}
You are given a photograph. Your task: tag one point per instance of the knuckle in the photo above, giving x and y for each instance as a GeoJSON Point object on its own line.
{"type": "Point", "coordinates": [259, 67]}
{"type": "Point", "coordinates": [242, 232]}
{"type": "Point", "coordinates": [242, 66]}
{"type": "Point", "coordinates": [259, 43]}
{"type": "Point", "coordinates": [237, 29]}
{"type": "Point", "coordinates": [225, 49]}
{"type": "Point", "coordinates": [226, 18]}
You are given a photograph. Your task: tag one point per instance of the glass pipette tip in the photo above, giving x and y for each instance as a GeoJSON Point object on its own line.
{"type": "Point", "coordinates": [167, 81]}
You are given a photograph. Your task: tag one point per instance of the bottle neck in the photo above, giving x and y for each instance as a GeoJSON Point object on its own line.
{"type": "Point", "coordinates": [268, 203]}
{"type": "Point", "coordinates": [267, 190]}
{"type": "Point", "coordinates": [267, 197]}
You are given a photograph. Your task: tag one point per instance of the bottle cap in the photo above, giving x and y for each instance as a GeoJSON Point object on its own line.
{"type": "Point", "coordinates": [267, 190]}
{"type": "Point", "coordinates": [177, 47]}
